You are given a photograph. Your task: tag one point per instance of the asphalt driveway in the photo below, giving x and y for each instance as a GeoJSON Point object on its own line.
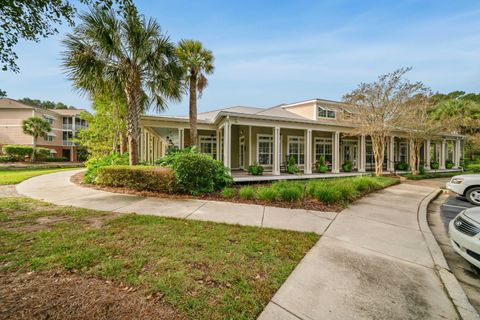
{"type": "Point", "coordinates": [452, 207]}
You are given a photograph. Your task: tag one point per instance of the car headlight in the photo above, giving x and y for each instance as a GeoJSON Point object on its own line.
{"type": "Point", "coordinates": [457, 180]}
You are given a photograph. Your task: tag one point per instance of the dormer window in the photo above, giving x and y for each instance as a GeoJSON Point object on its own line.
{"type": "Point", "coordinates": [325, 113]}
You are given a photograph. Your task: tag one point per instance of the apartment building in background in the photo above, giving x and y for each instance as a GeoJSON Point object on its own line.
{"type": "Point", "coordinates": [64, 122]}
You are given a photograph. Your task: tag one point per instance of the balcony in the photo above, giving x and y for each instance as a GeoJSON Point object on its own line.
{"type": "Point", "coordinates": [68, 143]}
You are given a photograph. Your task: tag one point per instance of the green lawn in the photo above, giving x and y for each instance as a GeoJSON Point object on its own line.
{"type": "Point", "coordinates": [204, 270]}
{"type": "Point", "coordinates": [19, 175]}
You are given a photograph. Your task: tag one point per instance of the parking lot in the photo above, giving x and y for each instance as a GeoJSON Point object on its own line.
{"type": "Point", "coordinates": [452, 207]}
{"type": "Point", "coordinates": [441, 211]}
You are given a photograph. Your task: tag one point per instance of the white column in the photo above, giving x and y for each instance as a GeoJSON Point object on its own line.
{"type": "Point", "coordinates": [308, 152]}
{"type": "Point", "coordinates": [391, 154]}
{"type": "Point", "coordinates": [427, 154]}
{"type": "Point", "coordinates": [336, 152]}
{"type": "Point", "coordinates": [362, 154]}
{"type": "Point", "coordinates": [457, 154]}
{"type": "Point", "coordinates": [443, 156]}
{"type": "Point", "coordinates": [227, 144]}
{"type": "Point", "coordinates": [276, 151]}
{"type": "Point", "coordinates": [250, 151]}
{"type": "Point", "coordinates": [180, 138]}
{"type": "Point", "coordinates": [218, 144]}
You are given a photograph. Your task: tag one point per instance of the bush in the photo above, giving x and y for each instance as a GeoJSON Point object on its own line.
{"type": "Point", "coordinates": [42, 153]}
{"type": "Point", "coordinates": [17, 151]}
{"type": "Point", "coordinates": [326, 194]}
{"type": "Point", "coordinates": [347, 166]}
{"type": "Point", "coordinates": [141, 178]}
{"type": "Point", "coordinates": [421, 170]}
{"type": "Point", "coordinates": [255, 169]}
{"type": "Point", "coordinates": [449, 164]}
{"type": "Point", "coordinates": [94, 164]}
{"type": "Point", "coordinates": [228, 192]}
{"type": "Point", "coordinates": [434, 165]}
{"type": "Point", "coordinates": [475, 168]}
{"type": "Point", "coordinates": [173, 154]}
{"type": "Point", "coordinates": [289, 191]}
{"type": "Point", "coordinates": [321, 165]}
{"type": "Point", "coordinates": [53, 159]}
{"type": "Point", "coordinates": [402, 166]}
{"type": "Point", "coordinates": [246, 193]}
{"type": "Point", "coordinates": [7, 158]}
{"type": "Point", "coordinates": [200, 173]}
{"type": "Point", "coordinates": [266, 194]}
{"type": "Point", "coordinates": [292, 167]}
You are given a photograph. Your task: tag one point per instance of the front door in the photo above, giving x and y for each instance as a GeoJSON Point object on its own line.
{"type": "Point", "coordinates": [241, 153]}
{"type": "Point", "coordinates": [350, 153]}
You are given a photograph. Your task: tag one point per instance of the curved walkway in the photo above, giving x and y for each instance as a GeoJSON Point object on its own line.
{"type": "Point", "coordinates": [57, 188]}
{"type": "Point", "coordinates": [372, 262]}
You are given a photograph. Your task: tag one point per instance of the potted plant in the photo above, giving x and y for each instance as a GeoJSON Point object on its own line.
{"type": "Point", "coordinates": [434, 165]}
{"type": "Point", "coordinates": [402, 166]}
{"type": "Point", "coordinates": [347, 166]}
{"type": "Point", "coordinates": [255, 169]}
{"type": "Point", "coordinates": [322, 165]}
{"type": "Point", "coordinates": [449, 164]}
{"type": "Point", "coordinates": [292, 166]}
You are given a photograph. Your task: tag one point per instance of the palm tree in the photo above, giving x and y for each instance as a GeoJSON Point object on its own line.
{"type": "Point", "coordinates": [35, 127]}
{"type": "Point", "coordinates": [127, 54]}
{"type": "Point", "coordinates": [196, 61]}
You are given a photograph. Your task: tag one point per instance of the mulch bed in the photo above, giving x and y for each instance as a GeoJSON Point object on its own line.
{"type": "Point", "coordinates": [70, 296]}
{"type": "Point", "coordinates": [308, 204]}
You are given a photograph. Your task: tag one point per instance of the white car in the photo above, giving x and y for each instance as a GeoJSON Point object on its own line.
{"type": "Point", "coordinates": [467, 185]}
{"type": "Point", "coordinates": [464, 233]}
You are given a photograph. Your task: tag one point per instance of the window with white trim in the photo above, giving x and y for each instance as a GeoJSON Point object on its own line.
{"type": "Point", "coordinates": [369, 159]}
{"type": "Point", "coordinates": [49, 119]}
{"type": "Point", "coordinates": [48, 138]}
{"type": "Point", "coordinates": [265, 149]}
{"type": "Point", "coordinates": [402, 152]}
{"type": "Point", "coordinates": [208, 145]}
{"type": "Point", "coordinates": [323, 147]}
{"type": "Point", "coordinates": [296, 149]}
{"type": "Point", "coordinates": [325, 113]}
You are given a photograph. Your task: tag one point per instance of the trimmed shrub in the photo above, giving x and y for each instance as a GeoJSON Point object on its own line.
{"type": "Point", "coordinates": [228, 192]}
{"type": "Point", "coordinates": [322, 165]}
{"type": "Point", "coordinates": [141, 178]}
{"type": "Point", "coordinates": [200, 173]}
{"type": "Point", "coordinates": [7, 158]}
{"type": "Point", "coordinates": [172, 156]}
{"type": "Point", "coordinates": [292, 167]}
{"type": "Point", "coordinates": [94, 164]}
{"type": "Point", "coordinates": [247, 193]}
{"type": "Point", "coordinates": [449, 164]}
{"type": "Point", "coordinates": [347, 166]}
{"type": "Point", "coordinates": [255, 169]}
{"type": "Point", "coordinates": [434, 165]}
{"type": "Point", "coordinates": [59, 159]}
{"type": "Point", "coordinates": [42, 153]}
{"type": "Point", "coordinates": [402, 166]}
{"type": "Point", "coordinates": [18, 151]}
{"type": "Point", "coordinates": [266, 194]}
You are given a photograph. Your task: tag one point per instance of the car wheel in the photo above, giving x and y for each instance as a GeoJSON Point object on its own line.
{"type": "Point", "coordinates": [473, 196]}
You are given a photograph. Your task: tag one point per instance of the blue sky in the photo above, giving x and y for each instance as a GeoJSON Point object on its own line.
{"type": "Point", "coordinates": [271, 52]}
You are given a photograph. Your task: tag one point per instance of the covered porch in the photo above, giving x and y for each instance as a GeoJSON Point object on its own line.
{"type": "Point", "coordinates": [242, 142]}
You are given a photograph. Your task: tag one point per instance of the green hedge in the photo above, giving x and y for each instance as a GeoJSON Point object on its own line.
{"type": "Point", "coordinates": [18, 152]}
{"type": "Point", "coordinates": [141, 178]}
{"type": "Point", "coordinates": [94, 164]}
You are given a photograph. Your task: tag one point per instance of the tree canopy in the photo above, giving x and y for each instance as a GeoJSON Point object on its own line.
{"type": "Point", "coordinates": [46, 103]}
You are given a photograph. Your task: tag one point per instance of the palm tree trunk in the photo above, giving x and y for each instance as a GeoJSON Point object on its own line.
{"type": "Point", "coordinates": [193, 109]}
{"type": "Point", "coordinates": [133, 114]}
{"type": "Point", "coordinates": [32, 158]}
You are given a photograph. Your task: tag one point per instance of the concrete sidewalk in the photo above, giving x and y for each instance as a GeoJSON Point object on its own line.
{"type": "Point", "coordinates": [371, 263]}
{"type": "Point", "coordinates": [56, 188]}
